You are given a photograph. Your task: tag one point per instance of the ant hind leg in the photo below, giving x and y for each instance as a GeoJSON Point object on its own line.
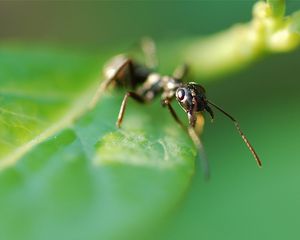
{"type": "Point", "coordinates": [115, 69]}
{"type": "Point", "coordinates": [181, 72]}
{"type": "Point", "coordinates": [149, 49]}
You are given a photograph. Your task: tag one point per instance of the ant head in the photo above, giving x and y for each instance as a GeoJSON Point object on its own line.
{"type": "Point", "coordinates": [184, 97]}
{"type": "Point", "coordinates": [192, 99]}
{"type": "Point", "coordinates": [191, 96]}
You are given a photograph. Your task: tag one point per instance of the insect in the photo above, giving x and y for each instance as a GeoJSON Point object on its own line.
{"type": "Point", "coordinates": [145, 84]}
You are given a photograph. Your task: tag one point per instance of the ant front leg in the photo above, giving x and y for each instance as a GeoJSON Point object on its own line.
{"type": "Point", "coordinates": [134, 96]}
{"type": "Point", "coordinates": [196, 119]}
{"type": "Point", "coordinates": [192, 115]}
{"type": "Point", "coordinates": [193, 135]}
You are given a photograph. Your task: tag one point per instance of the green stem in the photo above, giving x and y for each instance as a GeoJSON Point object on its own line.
{"type": "Point", "coordinates": [242, 44]}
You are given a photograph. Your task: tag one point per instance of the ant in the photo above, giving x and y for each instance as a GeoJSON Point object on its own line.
{"type": "Point", "coordinates": [146, 84]}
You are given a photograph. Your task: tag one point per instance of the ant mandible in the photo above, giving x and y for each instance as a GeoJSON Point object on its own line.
{"type": "Point", "coordinates": [146, 84]}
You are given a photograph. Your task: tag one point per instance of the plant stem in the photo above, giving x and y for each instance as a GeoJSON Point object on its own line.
{"type": "Point", "coordinates": [242, 44]}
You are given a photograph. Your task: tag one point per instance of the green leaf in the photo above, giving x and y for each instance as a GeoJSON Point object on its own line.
{"type": "Point", "coordinates": [68, 173]}
{"type": "Point", "coordinates": [278, 7]}
{"type": "Point", "coordinates": [38, 88]}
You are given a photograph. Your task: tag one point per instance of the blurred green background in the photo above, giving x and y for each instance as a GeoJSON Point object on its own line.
{"type": "Point", "coordinates": [240, 201]}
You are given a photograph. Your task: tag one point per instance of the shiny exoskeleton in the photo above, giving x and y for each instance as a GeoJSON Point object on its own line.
{"type": "Point", "coordinates": [145, 84]}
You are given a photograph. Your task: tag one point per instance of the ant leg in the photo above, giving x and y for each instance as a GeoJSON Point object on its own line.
{"type": "Point", "coordinates": [202, 156]}
{"type": "Point", "coordinates": [192, 113]}
{"type": "Point", "coordinates": [112, 72]}
{"type": "Point", "coordinates": [134, 96]}
{"type": "Point", "coordinates": [149, 49]}
{"type": "Point", "coordinates": [193, 135]}
{"type": "Point", "coordinates": [167, 103]}
{"type": "Point", "coordinates": [181, 71]}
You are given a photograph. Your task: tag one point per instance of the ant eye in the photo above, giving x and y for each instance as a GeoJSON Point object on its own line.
{"type": "Point", "coordinates": [180, 94]}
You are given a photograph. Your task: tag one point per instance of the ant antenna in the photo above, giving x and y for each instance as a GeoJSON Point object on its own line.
{"type": "Point", "coordinates": [259, 163]}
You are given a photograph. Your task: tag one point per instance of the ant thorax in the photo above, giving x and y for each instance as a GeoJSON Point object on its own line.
{"type": "Point", "coordinates": [170, 85]}
{"type": "Point", "coordinates": [156, 84]}
{"type": "Point", "coordinates": [151, 87]}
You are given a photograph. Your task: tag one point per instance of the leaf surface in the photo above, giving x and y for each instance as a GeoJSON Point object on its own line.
{"type": "Point", "coordinates": [68, 173]}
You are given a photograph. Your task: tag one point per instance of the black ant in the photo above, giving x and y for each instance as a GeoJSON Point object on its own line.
{"type": "Point", "coordinates": [146, 84]}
